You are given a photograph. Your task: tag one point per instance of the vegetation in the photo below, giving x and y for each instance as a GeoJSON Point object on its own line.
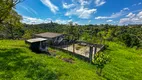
{"type": "Point", "coordinates": [10, 25]}
{"type": "Point", "coordinates": [129, 35]}
{"type": "Point", "coordinates": [6, 8]}
{"type": "Point", "coordinates": [100, 61]}
{"type": "Point", "coordinates": [17, 62]}
{"type": "Point", "coordinates": [125, 62]}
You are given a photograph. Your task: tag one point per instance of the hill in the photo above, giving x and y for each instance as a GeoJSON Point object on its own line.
{"type": "Point", "coordinates": [17, 62]}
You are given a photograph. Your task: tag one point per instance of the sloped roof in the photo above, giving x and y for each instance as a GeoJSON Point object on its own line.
{"type": "Point", "coordinates": [48, 35]}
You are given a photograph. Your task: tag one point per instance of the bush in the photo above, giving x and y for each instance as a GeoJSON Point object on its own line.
{"type": "Point", "coordinates": [100, 61]}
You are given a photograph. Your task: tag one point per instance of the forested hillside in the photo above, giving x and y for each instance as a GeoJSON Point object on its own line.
{"type": "Point", "coordinates": [121, 58]}
{"type": "Point", "coordinates": [130, 35]}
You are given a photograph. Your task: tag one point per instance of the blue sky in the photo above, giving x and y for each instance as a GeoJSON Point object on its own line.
{"type": "Point", "coordinates": [81, 11]}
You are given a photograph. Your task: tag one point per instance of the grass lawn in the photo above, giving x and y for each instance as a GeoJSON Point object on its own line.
{"type": "Point", "coordinates": [126, 63]}
{"type": "Point", "coordinates": [17, 62]}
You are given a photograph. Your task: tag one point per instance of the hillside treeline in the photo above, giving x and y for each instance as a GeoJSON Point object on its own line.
{"type": "Point", "coordinates": [130, 35]}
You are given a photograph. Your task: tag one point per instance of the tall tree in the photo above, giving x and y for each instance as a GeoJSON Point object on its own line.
{"type": "Point", "coordinates": [13, 25]}
{"type": "Point", "coordinates": [5, 8]}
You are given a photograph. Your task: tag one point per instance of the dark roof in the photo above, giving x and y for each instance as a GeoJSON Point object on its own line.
{"type": "Point", "coordinates": [48, 35]}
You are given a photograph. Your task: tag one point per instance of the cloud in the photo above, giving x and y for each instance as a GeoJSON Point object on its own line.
{"type": "Point", "coordinates": [132, 19]}
{"type": "Point", "coordinates": [33, 11]}
{"type": "Point", "coordinates": [114, 15]}
{"type": "Point", "coordinates": [100, 2]}
{"type": "Point", "coordinates": [81, 9]}
{"type": "Point", "coordinates": [109, 21]}
{"type": "Point", "coordinates": [83, 13]}
{"type": "Point", "coordinates": [130, 15]}
{"type": "Point", "coordinates": [102, 17]}
{"type": "Point", "coordinates": [134, 5]}
{"type": "Point", "coordinates": [89, 21]}
{"type": "Point", "coordinates": [140, 3]}
{"type": "Point", "coordinates": [30, 10]}
{"type": "Point", "coordinates": [67, 6]}
{"type": "Point", "coordinates": [84, 2]}
{"type": "Point", "coordinates": [31, 20]}
{"type": "Point", "coordinates": [62, 21]}
{"type": "Point", "coordinates": [52, 7]}
{"type": "Point", "coordinates": [126, 9]}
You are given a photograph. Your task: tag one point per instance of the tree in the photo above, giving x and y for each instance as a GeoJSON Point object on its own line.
{"type": "Point", "coordinates": [5, 8]}
{"type": "Point", "coordinates": [100, 61]}
{"type": "Point", "coordinates": [13, 26]}
{"type": "Point", "coordinates": [73, 33]}
{"type": "Point", "coordinates": [130, 40]}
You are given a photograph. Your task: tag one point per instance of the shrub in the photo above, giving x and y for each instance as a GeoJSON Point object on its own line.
{"type": "Point", "coordinates": [100, 61]}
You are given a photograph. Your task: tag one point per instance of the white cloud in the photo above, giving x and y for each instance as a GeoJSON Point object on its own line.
{"type": "Point", "coordinates": [83, 13]}
{"type": "Point", "coordinates": [52, 7]}
{"type": "Point", "coordinates": [124, 20]}
{"type": "Point", "coordinates": [89, 21]}
{"type": "Point", "coordinates": [30, 10]}
{"type": "Point", "coordinates": [84, 2]}
{"type": "Point", "coordinates": [99, 2]}
{"type": "Point", "coordinates": [80, 9]}
{"type": "Point", "coordinates": [136, 19]}
{"type": "Point", "coordinates": [139, 3]}
{"type": "Point", "coordinates": [126, 9]}
{"type": "Point", "coordinates": [67, 6]}
{"type": "Point", "coordinates": [102, 17]}
{"type": "Point", "coordinates": [62, 21]}
{"type": "Point", "coordinates": [130, 15]}
{"type": "Point", "coordinates": [114, 15]}
{"type": "Point", "coordinates": [109, 21]}
{"type": "Point", "coordinates": [139, 15]}
{"type": "Point", "coordinates": [31, 20]}
{"type": "Point", "coordinates": [70, 20]}
{"type": "Point", "coordinates": [33, 11]}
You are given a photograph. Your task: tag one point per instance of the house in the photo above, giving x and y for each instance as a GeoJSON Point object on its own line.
{"type": "Point", "coordinates": [52, 38]}
{"type": "Point", "coordinates": [42, 40]}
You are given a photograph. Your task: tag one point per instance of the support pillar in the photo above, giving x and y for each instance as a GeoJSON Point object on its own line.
{"type": "Point", "coordinates": [73, 48]}
{"type": "Point", "coordinates": [90, 54]}
{"type": "Point", "coordinates": [95, 51]}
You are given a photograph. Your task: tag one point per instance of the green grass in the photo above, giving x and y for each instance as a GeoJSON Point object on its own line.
{"type": "Point", "coordinates": [17, 62]}
{"type": "Point", "coordinates": [126, 63]}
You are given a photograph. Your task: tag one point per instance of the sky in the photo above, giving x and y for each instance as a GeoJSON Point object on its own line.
{"type": "Point", "coordinates": [116, 12]}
